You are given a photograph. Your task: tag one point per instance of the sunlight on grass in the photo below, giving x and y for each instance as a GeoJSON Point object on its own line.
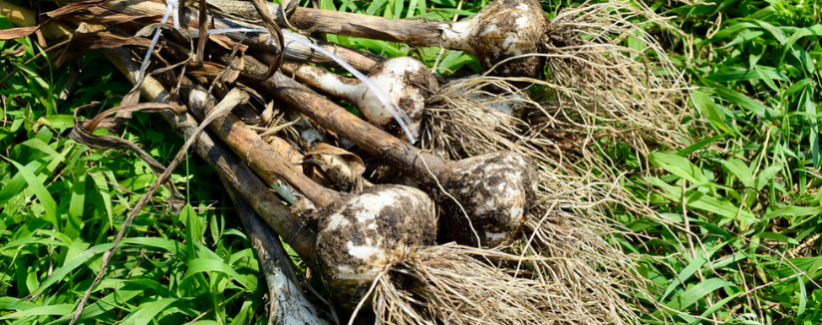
{"type": "Point", "coordinates": [735, 239]}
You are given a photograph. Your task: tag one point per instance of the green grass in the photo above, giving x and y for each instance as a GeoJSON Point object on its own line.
{"type": "Point", "coordinates": [61, 204]}
{"type": "Point", "coordinates": [751, 183]}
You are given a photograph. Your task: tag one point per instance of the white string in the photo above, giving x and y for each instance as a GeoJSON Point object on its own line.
{"type": "Point", "coordinates": [171, 10]}
{"type": "Point", "coordinates": [398, 114]}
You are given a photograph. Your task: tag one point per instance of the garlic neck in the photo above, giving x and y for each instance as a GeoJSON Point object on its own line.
{"type": "Point", "coordinates": [458, 35]}
{"type": "Point", "coordinates": [330, 83]}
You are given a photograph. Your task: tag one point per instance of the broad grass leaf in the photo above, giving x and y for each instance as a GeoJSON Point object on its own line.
{"type": "Point", "coordinates": [172, 246]}
{"type": "Point", "coordinates": [728, 260]}
{"type": "Point", "coordinates": [803, 296]}
{"type": "Point", "coordinates": [38, 144]}
{"type": "Point", "coordinates": [413, 7]}
{"type": "Point", "coordinates": [813, 271]}
{"type": "Point", "coordinates": [778, 237]}
{"type": "Point", "coordinates": [793, 211]}
{"type": "Point", "coordinates": [56, 234]}
{"type": "Point", "coordinates": [29, 275]}
{"type": "Point", "coordinates": [739, 169]}
{"type": "Point", "coordinates": [76, 248]}
{"type": "Point", "coordinates": [450, 12]}
{"type": "Point", "coordinates": [765, 176]}
{"type": "Point", "coordinates": [139, 182]}
{"type": "Point", "coordinates": [62, 272]}
{"type": "Point", "coordinates": [11, 303]}
{"type": "Point", "coordinates": [15, 186]}
{"type": "Point", "coordinates": [30, 240]}
{"type": "Point", "coordinates": [445, 3]}
{"type": "Point", "coordinates": [376, 7]}
{"type": "Point", "coordinates": [813, 134]}
{"type": "Point", "coordinates": [146, 283]}
{"type": "Point", "coordinates": [694, 266]}
{"type": "Point", "coordinates": [52, 310]}
{"type": "Point", "coordinates": [215, 229]}
{"type": "Point", "coordinates": [146, 312]}
{"type": "Point", "coordinates": [800, 85]}
{"type": "Point", "coordinates": [103, 190]}
{"type": "Point", "coordinates": [398, 6]}
{"type": "Point", "coordinates": [799, 58]}
{"type": "Point", "coordinates": [380, 47]}
{"type": "Point", "coordinates": [675, 217]}
{"type": "Point", "coordinates": [678, 166]}
{"type": "Point", "coordinates": [734, 73]}
{"type": "Point", "coordinates": [193, 228]}
{"type": "Point", "coordinates": [61, 122]}
{"type": "Point", "coordinates": [727, 32]}
{"type": "Point", "coordinates": [701, 201]}
{"type": "Point", "coordinates": [40, 86]}
{"type": "Point", "coordinates": [454, 61]}
{"type": "Point", "coordinates": [771, 29]}
{"type": "Point", "coordinates": [699, 145]}
{"type": "Point", "coordinates": [204, 265]}
{"type": "Point", "coordinates": [243, 314]}
{"type": "Point", "coordinates": [112, 179]}
{"type": "Point", "coordinates": [32, 73]}
{"type": "Point", "coordinates": [766, 78]}
{"type": "Point", "coordinates": [815, 30]}
{"type": "Point", "coordinates": [124, 293]}
{"type": "Point", "coordinates": [636, 44]}
{"type": "Point", "coordinates": [743, 37]}
{"type": "Point", "coordinates": [327, 5]}
{"type": "Point", "coordinates": [77, 203]}
{"type": "Point", "coordinates": [719, 304]}
{"type": "Point", "coordinates": [799, 265]}
{"type": "Point", "coordinates": [744, 101]}
{"type": "Point", "coordinates": [706, 105]}
{"type": "Point", "coordinates": [697, 292]}
{"type": "Point", "coordinates": [15, 126]}
{"type": "Point", "coordinates": [234, 232]}
{"type": "Point", "coordinates": [40, 191]}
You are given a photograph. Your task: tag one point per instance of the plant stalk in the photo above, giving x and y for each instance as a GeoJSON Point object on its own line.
{"type": "Point", "coordinates": [225, 163]}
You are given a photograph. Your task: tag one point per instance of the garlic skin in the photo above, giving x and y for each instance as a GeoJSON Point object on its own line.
{"type": "Point", "coordinates": [362, 234]}
{"type": "Point", "coordinates": [406, 80]}
{"type": "Point", "coordinates": [496, 190]}
{"type": "Point", "coordinates": [503, 29]}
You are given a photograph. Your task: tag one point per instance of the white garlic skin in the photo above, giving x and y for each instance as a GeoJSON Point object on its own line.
{"type": "Point", "coordinates": [503, 29]}
{"type": "Point", "coordinates": [495, 191]}
{"type": "Point", "coordinates": [407, 81]}
{"type": "Point", "coordinates": [363, 233]}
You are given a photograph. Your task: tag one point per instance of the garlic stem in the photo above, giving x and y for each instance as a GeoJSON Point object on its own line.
{"type": "Point", "coordinates": [333, 85]}
{"type": "Point", "coordinates": [400, 116]}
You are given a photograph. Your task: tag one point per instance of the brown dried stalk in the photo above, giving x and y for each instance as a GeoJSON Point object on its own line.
{"type": "Point", "coordinates": [501, 30]}
{"type": "Point", "coordinates": [465, 188]}
{"type": "Point", "coordinates": [258, 154]}
{"type": "Point", "coordinates": [358, 59]}
{"type": "Point", "coordinates": [242, 178]}
{"type": "Point", "coordinates": [231, 100]}
{"type": "Point", "coordinates": [287, 303]}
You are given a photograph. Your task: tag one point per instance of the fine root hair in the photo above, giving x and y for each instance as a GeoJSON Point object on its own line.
{"type": "Point", "coordinates": [453, 284]}
{"type": "Point", "coordinates": [599, 91]}
{"type": "Point", "coordinates": [609, 76]}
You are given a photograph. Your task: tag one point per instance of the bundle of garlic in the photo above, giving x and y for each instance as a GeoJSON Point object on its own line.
{"type": "Point", "coordinates": [447, 200]}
